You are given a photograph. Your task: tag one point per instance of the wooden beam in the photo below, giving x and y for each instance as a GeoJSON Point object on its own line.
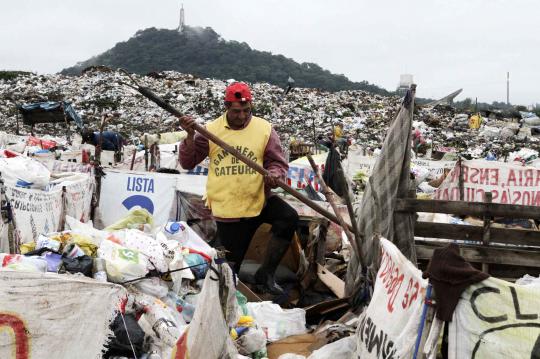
{"type": "Point", "coordinates": [486, 237]}
{"type": "Point", "coordinates": [336, 285]}
{"type": "Point", "coordinates": [481, 254]}
{"type": "Point", "coordinates": [250, 295]}
{"type": "Point", "coordinates": [520, 237]}
{"type": "Point", "coordinates": [476, 209]}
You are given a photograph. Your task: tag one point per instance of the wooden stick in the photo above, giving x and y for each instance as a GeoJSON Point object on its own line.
{"type": "Point", "coordinates": [330, 197]}
{"type": "Point", "coordinates": [233, 151]}
{"type": "Point", "coordinates": [348, 199]}
{"type": "Point", "coordinates": [461, 182]}
{"type": "Point", "coordinates": [133, 159]}
{"type": "Point", "coordinates": [146, 152]}
{"type": "Point", "coordinates": [486, 236]}
{"type": "Point", "coordinates": [477, 209]}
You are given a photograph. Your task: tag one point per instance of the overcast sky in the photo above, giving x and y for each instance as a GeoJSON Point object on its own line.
{"type": "Point", "coordinates": [446, 45]}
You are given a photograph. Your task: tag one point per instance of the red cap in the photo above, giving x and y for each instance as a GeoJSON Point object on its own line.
{"type": "Point", "coordinates": [238, 91]}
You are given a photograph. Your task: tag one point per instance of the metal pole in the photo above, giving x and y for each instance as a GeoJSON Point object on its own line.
{"type": "Point", "coordinates": [314, 136]}
{"type": "Point", "coordinates": [422, 321]}
{"type": "Point", "coordinates": [508, 88]}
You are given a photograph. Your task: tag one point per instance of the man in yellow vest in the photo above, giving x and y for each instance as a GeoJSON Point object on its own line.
{"type": "Point", "coordinates": [240, 198]}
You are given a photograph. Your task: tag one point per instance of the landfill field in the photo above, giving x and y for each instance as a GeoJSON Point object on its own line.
{"type": "Point", "coordinates": [106, 219]}
{"type": "Point", "coordinates": [300, 116]}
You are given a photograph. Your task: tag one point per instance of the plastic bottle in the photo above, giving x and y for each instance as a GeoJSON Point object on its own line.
{"type": "Point", "coordinates": [162, 323]}
{"type": "Point", "coordinates": [187, 309]}
{"type": "Point", "coordinates": [73, 251]}
{"type": "Point", "coordinates": [174, 230]}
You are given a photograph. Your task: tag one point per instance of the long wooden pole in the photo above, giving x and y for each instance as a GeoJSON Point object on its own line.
{"type": "Point", "coordinates": [331, 198]}
{"type": "Point", "coordinates": [146, 92]}
{"type": "Point", "coordinates": [348, 200]}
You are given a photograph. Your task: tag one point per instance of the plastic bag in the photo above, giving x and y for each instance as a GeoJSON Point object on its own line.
{"type": "Point", "coordinates": [22, 263]}
{"type": "Point", "coordinates": [192, 240]}
{"type": "Point", "coordinates": [86, 230]}
{"type": "Point", "coordinates": [192, 210]}
{"type": "Point", "coordinates": [426, 188]}
{"type": "Point", "coordinates": [122, 264]}
{"type": "Point", "coordinates": [278, 322]}
{"type": "Point", "coordinates": [145, 244]}
{"type": "Point", "coordinates": [528, 280]}
{"type": "Point", "coordinates": [251, 341]}
{"type": "Point", "coordinates": [136, 218]}
{"type": "Point", "coordinates": [420, 174]}
{"type": "Point", "coordinates": [177, 277]}
{"type": "Point", "coordinates": [330, 172]}
{"type": "Point", "coordinates": [154, 286]}
{"type": "Point", "coordinates": [340, 349]}
{"type": "Point", "coordinates": [160, 319]}
{"type": "Point", "coordinates": [531, 121]}
{"type": "Point", "coordinates": [168, 247]}
{"type": "Point", "coordinates": [242, 301]}
{"type": "Point", "coordinates": [46, 242]}
{"type": "Point", "coordinates": [25, 172]}
{"type": "Point", "coordinates": [85, 243]}
{"type": "Point", "coordinates": [194, 259]}
{"type": "Point", "coordinates": [54, 261]}
{"type": "Point", "coordinates": [126, 336]}
{"type": "Point", "coordinates": [82, 264]}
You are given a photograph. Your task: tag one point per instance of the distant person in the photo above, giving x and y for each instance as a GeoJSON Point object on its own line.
{"type": "Point", "coordinates": [111, 141]}
{"type": "Point", "coordinates": [325, 141]}
{"type": "Point", "coordinates": [419, 144]}
{"type": "Point", "coordinates": [338, 131]}
{"type": "Point", "coordinates": [340, 139]}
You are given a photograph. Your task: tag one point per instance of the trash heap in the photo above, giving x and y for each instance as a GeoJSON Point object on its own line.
{"type": "Point", "coordinates": [178, 294]}
{"type": "Point", "coordinates": [301, 116]}
{"type": "Point", "coordinates": [164, 269]}
{"type": "Point", "coordinates": [495, 135]}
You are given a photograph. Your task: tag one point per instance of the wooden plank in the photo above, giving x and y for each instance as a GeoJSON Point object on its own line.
{"type": "Point", "coordinates": [486, 237]}
{"type": "Point", "coordinates": [336, 285]}
{"type": "Point", "coordinates": [501, 271]}
{"type": "Point", "coordinates": [481, 254]}
{"type": "Point", "coordinates": [477, 209]}
{"type": "Point", "coordinates": [326, 307]}
{"type": "Point", "coordinates": [250, 295]}
{"type": "Point", "coordinates": [521, 237]}
{"type": "Point", "coordinates": [461, 181]}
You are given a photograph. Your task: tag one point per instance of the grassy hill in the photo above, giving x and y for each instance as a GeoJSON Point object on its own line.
{"type": "Point", "coordinates": [202, 52]}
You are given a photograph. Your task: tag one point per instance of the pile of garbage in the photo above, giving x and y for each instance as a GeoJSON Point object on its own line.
{"type": "Point", "coordinates": [174, 282]}
{"type": "Point", "coordinates": [164, 269]}
{"type": "Point", "coordinates": [475, 136]}
{"type": "Point", "coordinates": [303, 115]}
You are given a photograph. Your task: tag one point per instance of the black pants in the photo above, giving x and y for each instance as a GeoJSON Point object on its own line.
{"type": "Point", "coordinates": [236, 236]}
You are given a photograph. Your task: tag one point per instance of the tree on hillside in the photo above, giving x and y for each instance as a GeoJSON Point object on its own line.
{"type": "Point", "coordinates": [202, 52]}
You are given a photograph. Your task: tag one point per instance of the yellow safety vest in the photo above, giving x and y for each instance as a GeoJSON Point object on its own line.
{"type": "Point", "coordinates": [234, 190]}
